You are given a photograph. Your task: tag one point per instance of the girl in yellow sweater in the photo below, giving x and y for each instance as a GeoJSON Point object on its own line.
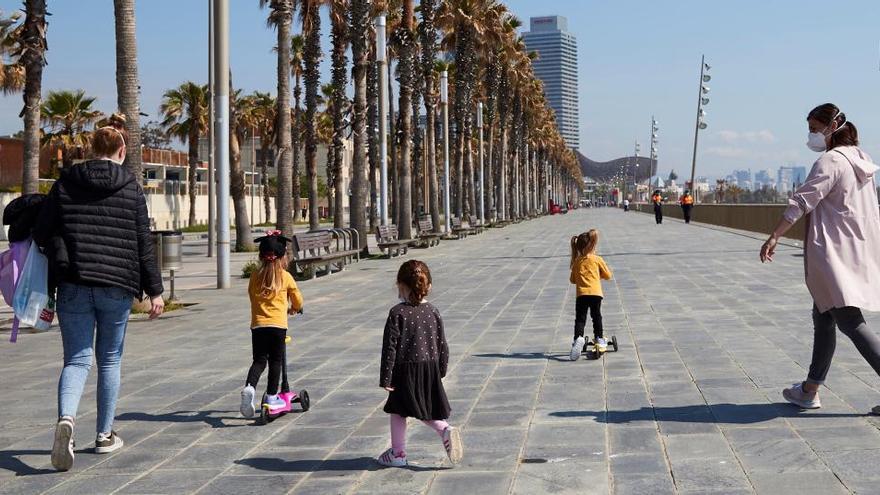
{"type": "Point", "coordinates": [588, 269]}
{"type": "Point", "coordinates": [274, 295]}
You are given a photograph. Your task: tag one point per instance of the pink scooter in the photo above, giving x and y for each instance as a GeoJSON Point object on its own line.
{"type": "Point", "coordinates": [269, 414]}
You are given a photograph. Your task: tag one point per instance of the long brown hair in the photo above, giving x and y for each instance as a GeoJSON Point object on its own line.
{"type": "Point", "coordinates": [415, 276]}
{"type": "Point", "coordinates": [828, 113]}
{"type": "Point", "coordinates": [584, 244]}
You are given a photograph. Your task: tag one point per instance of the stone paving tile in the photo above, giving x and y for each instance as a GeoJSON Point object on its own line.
{"type": "Point", "coordinates": [690, 404]}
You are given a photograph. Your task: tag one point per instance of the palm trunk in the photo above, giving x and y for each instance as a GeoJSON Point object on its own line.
{"type": "Point", "coordinates": [340, 82]}
{"type": "Point", "coordinates": [471, 183]}
{"type": "Point", "coordinates": [192, 176]}
{"type": "Point", "coordinates": [502, 184]}
{"type": "Point", "coordinates": [428, 39]}
{"type": "Point", "coordinates": [243, 241]}
{"type": "Point", "coordinates": [373, 124]}
{"type": "Point", "coordinates": [311, 55]}
{"type": "Point", "coordinates": [264, 177]}
{"type": "Point", "coordinates": [490, 175]}
{"type": "Point", "coordinates": [406, 70]}
{"type": "Point", "coordinates": [33, 40]}
{"type": "Point", "coordinates": [127, 85]}
{"type": "Point", "coordinates": [433, 184]}
{"type": "Point", "coordinates": [394, 185]}
{"type": "Point", "coordinates": [284, 11]}
{"type": "Point", "coordinates": [357, 217]}
{"type": "Point", "coordinates": [331, 183]}
{"type": "Point", "coordinates": [296, 146]}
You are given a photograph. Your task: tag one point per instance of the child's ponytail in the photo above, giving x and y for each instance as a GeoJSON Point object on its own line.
{"type": "Point", "coordinates": [574, 250]}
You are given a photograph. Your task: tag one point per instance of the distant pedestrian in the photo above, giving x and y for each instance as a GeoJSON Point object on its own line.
{"type": "Point", "coordinates": [657, 201]}
{"type": "Point", "coordinates": [687, 204]}
{"type": "Point", "coordinates": [96, 232]}
{"type": "Point", "coordinates": [414, 360]}
{"type": "Point", "coordinates": [588, 269]}
{"type": "Point", "coordinates": [842, 247]}
{"type": "Point", "coordinates": [274, 295]}
{"type": "Point", "coordinates": [625, 205]}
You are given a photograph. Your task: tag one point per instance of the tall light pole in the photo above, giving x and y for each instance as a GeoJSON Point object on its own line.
{"type": "Point", "coordinates": [221, 138]}
{"type": "Point", "coordinates": [212, 189]}
{"type": "Point", "coordinates": [253, 168]}
{"type": "Point", "coordinates": [444, 105]}
{"type": "Point", "coordinates": [654, 128]}
{"type": "Point", "coordinates": [482, 191]}
{"type": "Point", "coordinates": [702, 100]}
{"type": "Point", "coordinates": [381, 59]}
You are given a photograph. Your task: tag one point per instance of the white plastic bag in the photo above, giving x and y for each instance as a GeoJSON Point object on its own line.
{"type": "Point", "coordinates": [32, 293]}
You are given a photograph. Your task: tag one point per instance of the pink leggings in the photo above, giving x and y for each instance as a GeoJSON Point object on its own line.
{"type": "Point", "coordinates": [398, 432]}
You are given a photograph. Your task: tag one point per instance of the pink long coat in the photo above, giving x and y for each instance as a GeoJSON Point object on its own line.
{"type": "Point", "coordinates": [842, 245]}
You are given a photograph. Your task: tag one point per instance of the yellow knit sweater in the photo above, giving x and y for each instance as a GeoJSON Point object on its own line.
{"type": "Point", "coordinates": [587, 274]}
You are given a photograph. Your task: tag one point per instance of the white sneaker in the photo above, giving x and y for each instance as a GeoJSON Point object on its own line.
{"type": "Point", "coordinates": [247, 401]}
{"type": "Point", "coordinates": [602, 344]}
{"type": "Point", "coordinates": [576, 349]}
{"type": "Point", "coordinates": [62, 449]}
{"type": "Point", "coordinates": [799, 397]}
{"type": "Point", "coordinates": [388, 459]}
{"type": "Point", "coordinates": [452, 444]}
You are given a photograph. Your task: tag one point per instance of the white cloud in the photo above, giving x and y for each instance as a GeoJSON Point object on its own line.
{"type": "Point", "coordinates": [764, 136]}
{"type": "Point", "coordinates": [728, 152]}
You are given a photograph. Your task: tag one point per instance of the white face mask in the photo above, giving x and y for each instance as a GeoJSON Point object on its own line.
{"type": "Point", "coordinates": [816, 142]}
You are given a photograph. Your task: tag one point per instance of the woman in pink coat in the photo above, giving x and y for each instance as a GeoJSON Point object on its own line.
{"type": "Point", "coordinates": [842, 245]}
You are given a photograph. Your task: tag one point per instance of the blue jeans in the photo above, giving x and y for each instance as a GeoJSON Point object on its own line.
{"type": "Point", "coordinates": [80, 309]}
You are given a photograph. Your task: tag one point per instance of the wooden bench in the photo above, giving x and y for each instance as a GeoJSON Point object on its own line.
{"type": "Point", "coordinates": [459, 231]}
{"type": "Point", "coordinates": [388, 241]}
{"type": "Point", "coordinates": [475, 224]}
{"type": "Point", "coordinates": [312, 249]}
{"type": "Point", "coordinates": [427, 236]}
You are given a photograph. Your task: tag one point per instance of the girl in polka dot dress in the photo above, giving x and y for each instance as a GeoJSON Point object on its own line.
{"type": "Point", "coordinates": [414, 360]}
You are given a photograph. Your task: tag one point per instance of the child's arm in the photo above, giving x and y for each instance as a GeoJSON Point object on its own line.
{"type": "Point", "coordinates": [442, 346]}
{"type": "Point", "coordinates": [295, 297]}
{"type": "Point", "coordinates": [604, 271]}
{"type": "Point", "coordinates": [574, 269]}
{"type": "Point", "coordinates": [389, 351]}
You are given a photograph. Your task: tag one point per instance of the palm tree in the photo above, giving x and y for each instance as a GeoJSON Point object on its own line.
{"type": "Point", "coordinates": [281, 18]}
{"type": "Point", "coordinates": [311, 27]}
{"type": "Point", "coordinates": [263, 118]}
{"type": "Point", "coordinates": [242, 122]}
{"type": "Point", "coordinates": [66, 115]}
{"type": "Point", "coordinates": [428, 42]}
{"type": "Point", "coordinates": [324, 130]}
{"type": "Point", "coordinates": [32, 56]}
{"type": "Point", "coordinates": [358, 34]}
{"type": "Point", "coordinates": [127, 85]}
{"type": "Point", "coordinates": [11, 72]}
{"type": "Point", "coordinates": [297, 43]}
{"type": "Point", "coordinates": [339, 34]}
{"type": "Point", "coordinates": [405, 39]}
{"type": "Point", "coordinates": [185, 116]}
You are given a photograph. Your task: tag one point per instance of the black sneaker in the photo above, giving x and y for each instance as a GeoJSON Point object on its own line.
{"type": "Point", "coordinates": [105, 444]}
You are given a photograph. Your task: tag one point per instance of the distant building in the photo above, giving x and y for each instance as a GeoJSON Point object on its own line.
{"type": "Point", "coordinates": [743, 178]}
{"type": "Point", "coordinates": [790, 178]}
{"type": "Point", "coordinates": [557, 67]}
{"type": "Point", "coordinates": [764, 178]}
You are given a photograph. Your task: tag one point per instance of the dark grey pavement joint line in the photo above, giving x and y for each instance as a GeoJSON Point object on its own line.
{"type": "Point", "coordinates": [690, 404]}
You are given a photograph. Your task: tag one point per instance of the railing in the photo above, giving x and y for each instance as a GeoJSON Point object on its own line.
{"type": "Point", "coordinates": [750, 217]}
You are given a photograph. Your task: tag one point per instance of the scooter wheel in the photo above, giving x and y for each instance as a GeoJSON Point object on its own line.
{"type": "Point", "coordinates": [614, 342]}
{"type": "Point", "coordinates": [304, 400]}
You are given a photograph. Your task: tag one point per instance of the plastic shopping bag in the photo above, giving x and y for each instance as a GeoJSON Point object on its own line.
{"type": "Point", "coordinates": [32, 293]}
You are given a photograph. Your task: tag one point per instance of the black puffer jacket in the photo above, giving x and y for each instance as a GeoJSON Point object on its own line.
{"type": "Point", "coordinates": [95, 228]}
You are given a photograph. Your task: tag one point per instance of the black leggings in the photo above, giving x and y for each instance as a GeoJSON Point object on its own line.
{"type": "Point", "coordinates": [686, 209]}
{"type": "Point", "coordinates": [658, 214]}
{"type": "Point", "coordinates": [593, 305]}
{"type": "Point", "coordinates": [268, 346]}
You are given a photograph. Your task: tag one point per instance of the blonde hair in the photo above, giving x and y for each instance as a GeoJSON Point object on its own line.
{"type": "Point", "coordinates": [584, 244]}
{"type": "Point", "coordinates": [271, 275]}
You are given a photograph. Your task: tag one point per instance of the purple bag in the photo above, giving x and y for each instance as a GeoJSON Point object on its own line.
{"type": "Point", "coordinates": [11, 263]}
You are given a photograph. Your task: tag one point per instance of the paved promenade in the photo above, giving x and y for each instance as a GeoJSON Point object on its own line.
{"type": "Point", "coordinates": [690, 404]}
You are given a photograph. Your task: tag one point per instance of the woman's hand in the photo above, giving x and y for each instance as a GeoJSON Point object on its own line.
{"type": "Point", "coordinates": [157, 307]}
{"type": "Point", "coordinates": [769, 249]}
{"type": "Point", "coordinates": [390, 389]}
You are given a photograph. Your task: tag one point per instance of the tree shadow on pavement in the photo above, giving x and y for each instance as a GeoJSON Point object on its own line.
{"type": "Point", "coordinates": [526, 355]}
{"type": "Point", "coordinates": [183, 417]}
{"type": "Point", "coordinates": [724, 413]}
{"type": "Point", "coordinates": [316, 465]}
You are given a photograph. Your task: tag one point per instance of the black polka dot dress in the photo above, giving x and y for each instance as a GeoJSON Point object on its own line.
{"type": "Point", "coordinates": [414, 360]}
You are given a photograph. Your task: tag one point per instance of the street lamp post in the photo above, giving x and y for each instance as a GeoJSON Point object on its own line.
{"type": "Point", "coordinates": [480, 154]}
{"type": "Point", "coordinates": [444, 104]}
{"type": "Point", "coordinates": [702, 100]}
{"type": "Point", "coordinates": [212, 189]}
{"type": "Point", "coordinates": [221, 139]}
{"type": "Point", "coordinates": [383, 118]}
{"type": "Point", "coordinates": [654, 141]}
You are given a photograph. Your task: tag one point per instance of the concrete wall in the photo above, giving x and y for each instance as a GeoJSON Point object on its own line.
{"type": "Point", "coordinates": [754, 218]}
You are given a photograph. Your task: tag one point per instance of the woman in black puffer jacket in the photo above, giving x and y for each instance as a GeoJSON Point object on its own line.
{"type": "Point", "coordinates": [95, 229]}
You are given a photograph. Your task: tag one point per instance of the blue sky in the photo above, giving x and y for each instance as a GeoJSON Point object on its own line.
{"type": "Point", "coordinates": [771, 62]}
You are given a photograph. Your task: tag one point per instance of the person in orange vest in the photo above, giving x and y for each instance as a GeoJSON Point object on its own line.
{"type": "Point", "coordinates": [657, 200]}
{"type": "Point", "coordinates": [687, 204]}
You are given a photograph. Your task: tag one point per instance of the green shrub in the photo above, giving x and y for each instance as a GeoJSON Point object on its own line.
{"type": "Point", "coordinates": [250, 268]}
